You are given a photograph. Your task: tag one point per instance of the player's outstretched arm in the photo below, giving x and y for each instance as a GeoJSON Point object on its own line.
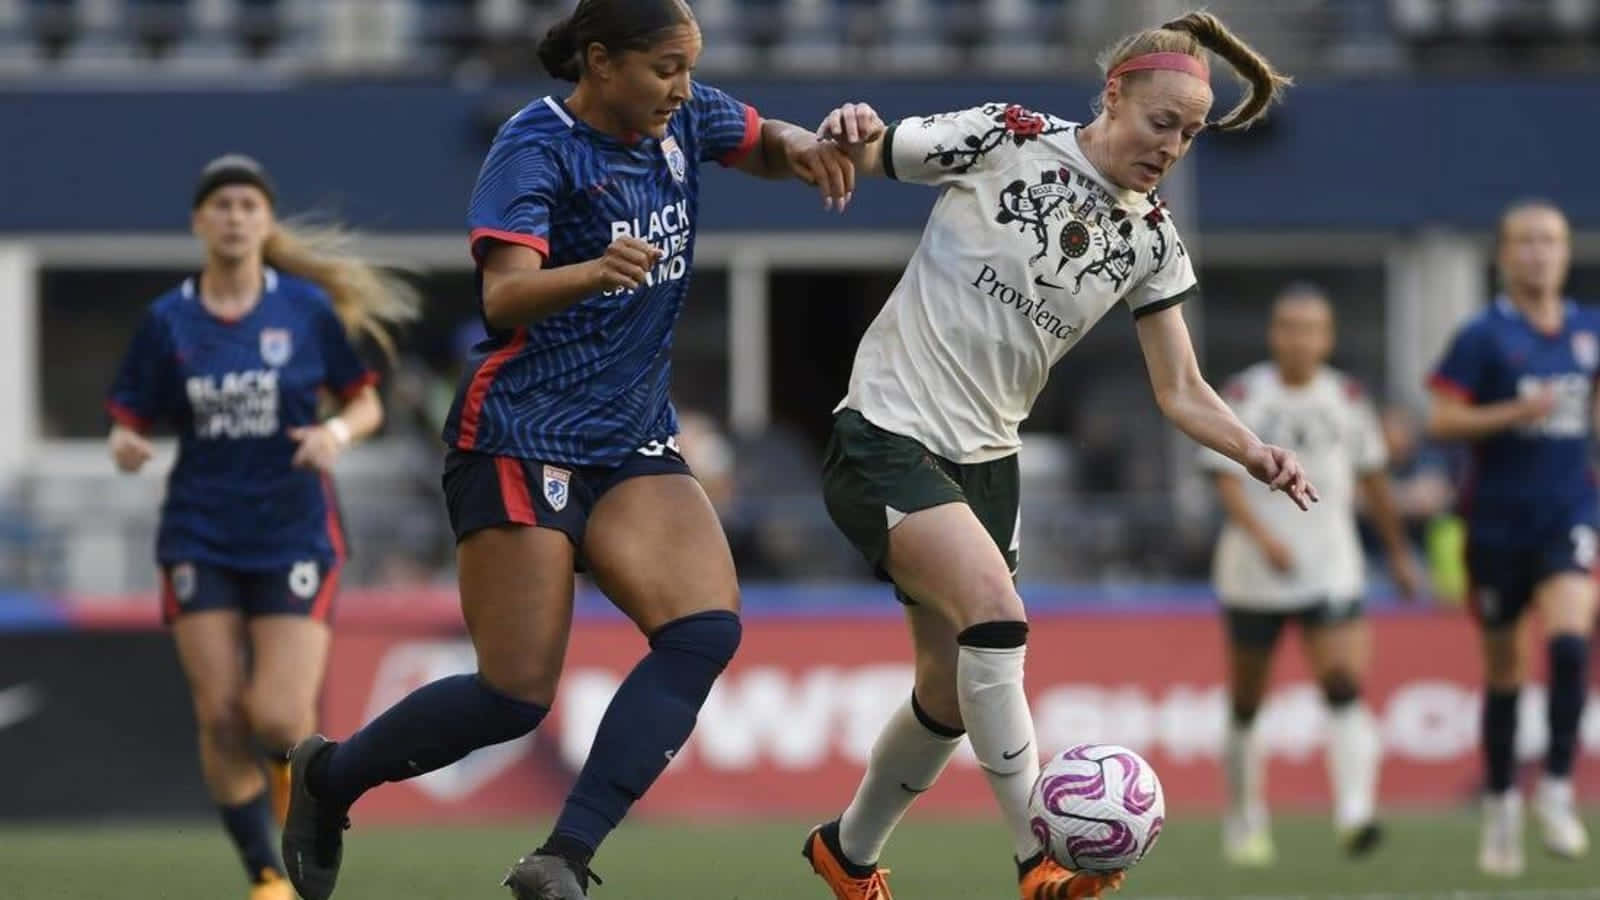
{"type": "Point", "coordinates": [786, 150]}
{"type": "Point", "coordinates": [1190, 403]}
{"type": "Point", "coordinates": [859, 130]}
{"type": "Point", "coordinates": [1455, 418]}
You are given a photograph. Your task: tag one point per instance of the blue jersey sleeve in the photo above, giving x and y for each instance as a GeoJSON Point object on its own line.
{"type": "Point", "coordinates": [145, 388]}
{"type": "Point", "coordinates": [343, 371]}
{"type": "Point", "coordinates": [517, 187]}
{"type": "Point", "coordinates": [725, 128]}
{"type": "Point", "coordinates": [1462, 370]}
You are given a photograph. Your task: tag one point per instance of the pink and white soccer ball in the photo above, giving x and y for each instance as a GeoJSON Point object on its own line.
{"type": "Point", "coordinates": [1097, 807]}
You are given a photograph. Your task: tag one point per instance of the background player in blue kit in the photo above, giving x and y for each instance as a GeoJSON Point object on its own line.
{"type": "Point", "coordinates": [1517, 381]}
{"type": "Point", "coordinates": [562, 436]}
{"type": "Point", "coordinates": [235, 360]}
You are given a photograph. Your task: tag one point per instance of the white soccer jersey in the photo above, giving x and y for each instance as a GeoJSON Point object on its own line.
{"type": "Point", "coordinates": [1026, 248]}
{"type": "Point", "coordinates": [1330, 424]}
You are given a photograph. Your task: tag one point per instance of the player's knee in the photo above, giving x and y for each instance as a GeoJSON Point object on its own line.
{"type": "Point", "coordinates": [938, 709]}
{"type": "Point", "coordinates": [991, 598]}
{"type": "Point", "coordinates": [220, 719]}
{"type": "Point", "coordinates": [274, 725]}
{"type": "Point", "coordinates": [1569, 653]}
{"type": "Point", "coordinates": [1340, 688]}
{"type": "Point", "coordinates": [713, 635]}
{"type": "Point", "coordinates": [1244, 710]}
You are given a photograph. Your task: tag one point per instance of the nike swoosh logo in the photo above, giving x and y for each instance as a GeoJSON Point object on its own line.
{"type": "Point", "coordinates": [19, 702]}
{"type": "Point", "coordinates": [1019, 752]}
{"type": "Point", "coordinates": [1039, 280]}
{"type": "Point", "coordinates": [911, 790]}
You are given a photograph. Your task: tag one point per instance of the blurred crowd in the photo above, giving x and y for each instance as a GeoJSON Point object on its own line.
{"type": "Point", "coordinates": [481, 38]}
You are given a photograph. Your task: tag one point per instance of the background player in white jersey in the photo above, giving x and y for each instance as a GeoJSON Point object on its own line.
{"type": "Point", "coordinates": [1271, 568]}
{"type": "Point", "coordinates": [1041, 226]}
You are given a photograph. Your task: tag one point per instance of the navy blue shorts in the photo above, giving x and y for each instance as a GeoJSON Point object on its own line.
{"type": "Point", "coordinates": [483, 491]}
{"type": "Point", "coordinates": [1503, 578]}
{"type": "Point", "coordinates": [306, 588]}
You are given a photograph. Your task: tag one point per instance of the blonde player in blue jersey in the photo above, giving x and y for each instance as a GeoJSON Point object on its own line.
{"type": "Point", "coordinates": [1517, 382]}
{"type": "Point", "coordinates": [235, 360]}
{"type": "Point", "coordinates": [561, 438]}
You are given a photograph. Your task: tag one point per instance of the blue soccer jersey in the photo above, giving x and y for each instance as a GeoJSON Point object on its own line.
{"type": "Point", "coordinates": [1527, 481]}
{"type": "Point", "coordinates": [588, 385]}
{"type": "Point", "coordinates": [232, 390]}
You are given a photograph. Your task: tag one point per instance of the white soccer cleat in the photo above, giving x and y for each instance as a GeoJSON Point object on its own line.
{"type": "Point", "coordinates": [1500, 853]}
{"type": "Point", "coordinates": [1247, 842]}
{"type": "Point", "coordinates": [1564, 834]}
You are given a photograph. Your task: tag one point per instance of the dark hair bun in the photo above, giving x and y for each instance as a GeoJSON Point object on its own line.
{"type": "Point", "coordinates": [559, 51]}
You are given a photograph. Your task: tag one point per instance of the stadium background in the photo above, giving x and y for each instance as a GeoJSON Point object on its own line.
{"type": "Point", "coordinates": [1413, 124]}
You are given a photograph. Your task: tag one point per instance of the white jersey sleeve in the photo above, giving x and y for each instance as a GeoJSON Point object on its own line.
{"type": "Point", "coordinates": [946, 148]}
{"type": "Point", "coordinates": [1172, 281]}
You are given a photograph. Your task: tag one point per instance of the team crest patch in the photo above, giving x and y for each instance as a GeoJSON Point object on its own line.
{"type": "Point", "coordinates": [1075, 239]}
{"type": "Point", "coordinates": [184, 582]}
{"type": "Point", "coordinates": [304, 579]}
{"type": "Point", "coordinates": [555, 487]}
{"type": "Point", "coordinates": [276, 346]}
{"type": "Point", "coordinates": [1586, 350]}
{"type": "Point", "coordinates": [677, 163]}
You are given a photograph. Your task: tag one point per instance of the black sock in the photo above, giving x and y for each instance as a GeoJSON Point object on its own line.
{"type": "Point", "coordinates": [648, 719]}
{"type": "Point", "coordinates": [1569, 664]}
{"type": "Point", "coordinates": [250, 826]}
{"type": "Point", "coordinates": [430, 728]}
{"type": "Point", "coordinates": [1500, 737]}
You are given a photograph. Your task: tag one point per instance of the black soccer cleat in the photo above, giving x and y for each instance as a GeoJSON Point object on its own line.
{"type": "Point", "coordinates": [313, 832]}
{"type": "Point", "coordinates": [1363, 840]}
{"type": "Point", "coordinates": [545, 876]}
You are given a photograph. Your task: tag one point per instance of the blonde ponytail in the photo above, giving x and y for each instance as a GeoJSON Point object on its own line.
{"type": "Point", "coordinates": [369, 300]}
{"type": "Point", "coordinates": [1200, 31]}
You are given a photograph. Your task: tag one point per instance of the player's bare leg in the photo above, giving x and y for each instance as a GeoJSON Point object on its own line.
{"type": "Point", "coordinates": [1566, 605]}
{"type": "Point", "coordinates": [211, 650]}
{"type": "Point", "coordinates": [1339, 653]}
{"type": "Point", "coordinates": [944, 559]}
{"type": "Point", "coordinates": [656, 549]}
{"type": "Point", "coordinates": [1506, 665]}
{"type": "Point", "coordinates": [290, 655]}
{"type": "Point", "coordinates": [516, 598]}
{"type": "Point", "coordinates": [1246, 831]}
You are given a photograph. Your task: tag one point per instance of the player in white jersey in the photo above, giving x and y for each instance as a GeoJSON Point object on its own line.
{"type": "Point", "coordinates": [1271, 568]}
{"type": "Point", "coordinates": [1040, 227]}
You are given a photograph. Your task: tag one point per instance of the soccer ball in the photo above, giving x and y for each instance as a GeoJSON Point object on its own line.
{"type": "Point", "coordinates": [1097, 808]}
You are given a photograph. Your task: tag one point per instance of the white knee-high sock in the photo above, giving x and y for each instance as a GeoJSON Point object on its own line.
{"type": "Point", "coordinates": [906, 760]}
{"type": "Point", "coordinates": [1245, 774]}
{"type": "Point", "coordinates": [1354, 753]}
{"type": "Point", "coordinates": [995, 709]}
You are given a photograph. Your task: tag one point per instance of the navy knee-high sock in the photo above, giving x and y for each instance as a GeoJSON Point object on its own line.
{"type": "Point", "coordinates": [1569, 665]}
{"type": "Point", "coordinates": [250, 826]}
{"type": "Point", "coordinates": [1500, 737]}
{"type": "Point", "coordinates": [430, 728]}
{"type": "Point", "coordinates": [648, 720]}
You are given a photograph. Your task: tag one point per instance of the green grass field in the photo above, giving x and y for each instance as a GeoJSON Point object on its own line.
{"type": "Point", "coordinates": [1429, 857]}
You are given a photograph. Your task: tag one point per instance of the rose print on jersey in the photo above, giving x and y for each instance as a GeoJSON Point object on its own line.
{"type": "Point", "coordinates": [1010, 123]}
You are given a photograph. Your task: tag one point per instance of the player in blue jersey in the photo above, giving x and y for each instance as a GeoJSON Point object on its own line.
{"type": "Point", "coordinates": [562, 436]}
{"type": "Point", "coordinates": [235, 360]}
{"type": "Point", "coordinates": [1517, 382]}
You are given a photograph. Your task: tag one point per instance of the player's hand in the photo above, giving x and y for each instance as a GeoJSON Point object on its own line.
{"type": "Point", "coordinates": [129, 449]}
{"type": "Point", "coordinates": [1535, 407]}
{"type": "Point", "coordinates": [1408, 576]}
{"type": "Point", "coordinates": [1280, 470]}
{"type": "Point", "coordinates": [827, 166]}
{"type": "Point", "coordinates": [625, 264]}
{"type": "Point", "coordinates": [852, 124]}
{"type": "Point", "coordinates": [319, 447]}
{"type": "Point", "coordinates": [1278, 554]}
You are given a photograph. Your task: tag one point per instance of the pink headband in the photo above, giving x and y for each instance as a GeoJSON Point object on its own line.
{"type": "Point", "coordinates": [1175, 62]}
